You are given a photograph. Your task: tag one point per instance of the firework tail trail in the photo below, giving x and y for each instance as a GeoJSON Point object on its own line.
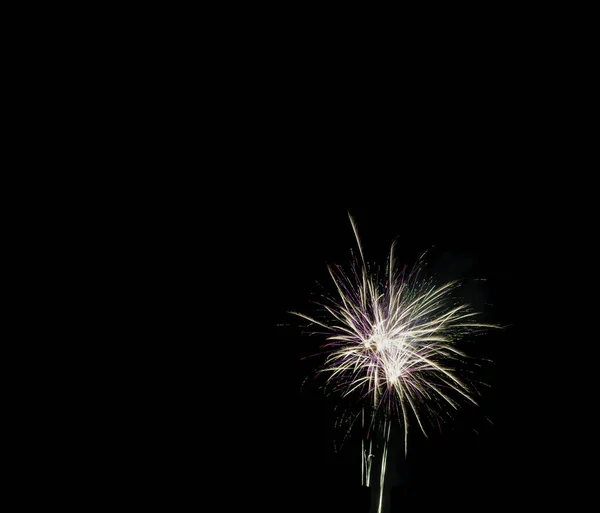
{"type": "Point", "coordinates": [391, 343]}
{"type": "Point", "coordinates": [384, 462]}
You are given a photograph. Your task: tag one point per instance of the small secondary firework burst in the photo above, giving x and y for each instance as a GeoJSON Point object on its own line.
{"type": "Point", "coordinates": [391, 346]}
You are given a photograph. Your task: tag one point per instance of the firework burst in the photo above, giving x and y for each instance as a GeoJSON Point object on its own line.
{"type": "Point", "coordinates": [391, 346]}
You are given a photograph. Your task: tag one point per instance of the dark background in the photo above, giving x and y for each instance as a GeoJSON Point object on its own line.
{"type": "Point", "coordinates": [494, 155]}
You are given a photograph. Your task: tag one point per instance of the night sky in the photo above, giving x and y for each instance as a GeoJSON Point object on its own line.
{"type": "Point", "coordinates": [478, 460]}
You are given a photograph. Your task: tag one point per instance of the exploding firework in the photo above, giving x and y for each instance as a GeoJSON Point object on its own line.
{"type": "Point", "coordinates": [391, 346]}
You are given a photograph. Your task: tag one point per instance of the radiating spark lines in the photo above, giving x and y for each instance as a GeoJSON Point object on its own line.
{"type": "Point", "coordinates": [391, 345]}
